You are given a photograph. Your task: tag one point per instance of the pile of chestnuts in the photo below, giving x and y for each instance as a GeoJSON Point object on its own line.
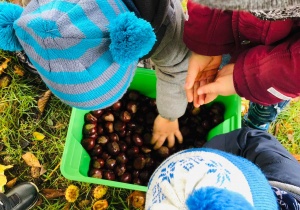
{"type": "Point", "coordinates": [118, 138]}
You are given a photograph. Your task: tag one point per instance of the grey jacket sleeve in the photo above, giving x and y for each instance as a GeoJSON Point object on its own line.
{"type": "Point", "coordinates": [171, 60]}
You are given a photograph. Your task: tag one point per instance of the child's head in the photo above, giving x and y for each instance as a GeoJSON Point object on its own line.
{"type": "Point", "coordinates": [85, 51]}
{"type": "Point", "coordinates": [208, 179]}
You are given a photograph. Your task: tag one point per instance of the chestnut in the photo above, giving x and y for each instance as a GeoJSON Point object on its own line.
{"type": "Point", "coordinates": [119, 126]}
{"type": "Point", "coordinates": [89, 129]}
{"type": "Point", "coordinates": [133, 95]}
{"type": "Point", "coordinates": [185, 131]}
{"type": "Point", "coordinates": [206, 124]}
{"type": "Point", "coordinates": [122, 158]}
{"type": "Point", "coordinates": [145, 149]}
{"type": "Point", "coordinates": [123, 146]}
{"type": "Point", "coordinates": [97, 113]}
{"type": "Point", "coordinates": [93, 136]}
{"type": "Point", "coordinates": [139, 129]}
{"type": "Point", "coordinates": [113, 148]}
{"type": "Point", "coordinates": [163, 152]}
{"type": "Point", "coordinates": [132, 107]}
{"type": "Point", "coordinates": [116, 106]}
{"type": "Point", "coordinates": [144, 109]}
{"type": "Point", "coordinates": [110, 164]}
{"type": "Point", "coordinates": [147, 138]}
{"type": "Point", "coordinates": [217, 108]}
{"type": "Point", "coordinates": [109, 175]}
{"type": "Point", "coordinates": [102, 140]}
{"type": "Point", "coordinates": [108, 117]}
{"type": "Point", "coordinates": [113, 137]}
{"type": "Point", "coordinates": [128, 140]}
{"type": "Point", "coordinates": [125, 116]}
{"type": "Point", "coordinates": [201, 131]}
{"type": "Point", "coordinates": [135, 173]}
{"type": "Point", "coordinates": [152, 102]}
{"type": "Point", "coordinates": [144, 176]}
{"type": "Point", "coordinates": [96, 173]}
{"type": "Point", "coordinates": [128, 133]}
{"type": "Point", "coordinates": [199, 143]}
{"type": "Point", "coordinates": [100, 129]}
{"type": "Point", "coordinates": [149, 162]}
{"type": "Point", "coordinates": [120, 169]}
{"type": "Point", "coordinates": [137, 181]}
{"type": "Point", "coordinates": [133, 151]}
{"type": "Point", "coordinates": [122, 133]}
{"type": "Point", "coordinates": [98, 163]}
{"type": "Point", "coordinates": [131, 126]}
{"type": "Point", "coordinates": [139, 163]}
{"type": "Point", "coordinates": [217, 119]}
{"type": "Point", "coordinates": [96, 150]}
{"type": "Point", "coordinates": [88, 143]}
{"type": "Point", "coordinates": [89, 118]}
{"type": "Point", "coordinates": [126, 178]}
{"type": "Point", "coordinates": [137, 140]}
{"type": "Point", "coordinates": [109, 127]}
{"type": "Point", "coordinates": [150, 117]}
{"type": "Point", "coordinates": [195, 111]}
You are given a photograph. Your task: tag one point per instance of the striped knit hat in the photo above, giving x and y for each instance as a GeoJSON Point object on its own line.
{"type": "Point", "coordinates": [86, 51]}
{"type": "Point", "coordinates": [199, 179]}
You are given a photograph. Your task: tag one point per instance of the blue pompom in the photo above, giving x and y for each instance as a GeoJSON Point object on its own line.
{"type": "Point", "coordinates": [8, 14]}
{"type": "Point", "coordinates": [214, 198]}
{"type": "Point", "coordinates": [131, 38]}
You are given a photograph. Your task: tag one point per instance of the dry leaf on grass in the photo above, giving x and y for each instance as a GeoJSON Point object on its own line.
{"type": "Point", "coordinates": [39, 201]}
{"type": "Point", "coordinates": [276, 129]}
{"type": "Point", "coordinates": [5, 80]}
{"type": "Point", "coordinates": [84, 204]}
{"type": "Point", "coordinates": [31, 160]}
{"type": "Point", "coordinates": [43, 170]}
{"type": "Point", "coordinates": [18, 70]}
{"type": "Point", "coordinates": [11, 183]}
{"type": "Point", "coordinates": [42, 102]}
{"type": "Point", "coordinates": [67, 206]}
{"type": "Point", "coordinates": [52, 193]}
{"type": "Point", "coordinates": [38, 136]}
{"type": "Point", "coordinates": [136, 199]}
{"type": "Point", "coordinates": [100, 205]}
{"type": "Point", "coordinates": [3, 66]}
{"type": "Point", "coordinates": [35, 172]}
{"type": "Point", "coordinates": [289, 128]}
{"type": "Point", "coordinates": [297, 157]}
{"type": "Point", "coordinates": [3, 179]}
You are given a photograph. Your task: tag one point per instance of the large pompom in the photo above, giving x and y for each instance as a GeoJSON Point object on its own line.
{"type": "Point", "coordinates": [214, 198]}
{"type": "Point", "coordinates": [131, 38]}
{"type": "Point", "coordinates": [8, 14]}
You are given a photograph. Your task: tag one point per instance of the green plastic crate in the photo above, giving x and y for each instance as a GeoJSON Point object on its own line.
{"type": "Point", "coordinates": [75, 160]}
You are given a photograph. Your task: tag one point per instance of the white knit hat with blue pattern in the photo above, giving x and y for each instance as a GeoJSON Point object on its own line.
{"type": "Point", "coordinates": [208, 179]}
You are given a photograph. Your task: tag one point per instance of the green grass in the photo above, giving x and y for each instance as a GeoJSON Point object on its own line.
{"type": "Point", "coordinates": [18, 121]}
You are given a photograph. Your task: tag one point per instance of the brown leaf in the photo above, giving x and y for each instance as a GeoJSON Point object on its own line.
{"type": "Point", "coordinates": [66, 206]}
{"type": "Point", "coordinates": [11, 183]}
{"type": "Point", "coordinates": [31, 160]}
{"type": "Point", "coordinates": [136, 199]}
{"type": "Point", "coordinates": [100, 205]}
{"type": "Point", "coordinates": [276, 129]}
{"type": "Point", "coordinates": [35, 172]}
{"type": "Point", "coordinates": [52, 193]}
{"type": "Point", "coordinates": [42, 102]}
{"type": "Point", "coordinates": [5, 80]}
{"type": "Point", "coordinates": [43, 170]}
{"type": "Point", "coordinates": [3, 66]}
{"type": "Point", "coordinates": [39, 201]}
{"type": "Point", "coordinates": [297, 157]}
{"type": "Point", "coordinates": [83, 204]}
{"type": "Point", "coordinates": [18, 70]}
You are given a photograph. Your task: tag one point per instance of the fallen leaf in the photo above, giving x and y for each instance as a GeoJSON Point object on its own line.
{"type": "Point", "coordinates": [35, 172]}
{"type": "Point", "coordinates": [31, 160]}
{"type": "Point", "coordinates": [100, 191]}
{"type": "Point", "coordinates": [39, 201]}
{"type": "Point", "coordinates": [83, 204]}
{"type": "Point", "coordinates": [38, 136]}
{"type": "Point", "coordinates": [5, 80]}
{"type": "Point", "coordinates": [290, 137]}
{"type": "Point", "coordinates": [100, 205]}
{"type": "Point", "coordinates": [72, 193]}
{"type": "Point", "coordinates": [52, 193]}
{"type": "Point", "coordinates": [3, 66]}
{"type": "Point", "coordinates": [297, 157]}
{"type": "Point", "coordinates": [66, 206]}
{"type": "Point", "coordinates": [18, 70]}
{"type": "Point", "coordinates": [3, 179]}
{"type": "Point", "coordinates": [289, 127]}
{"type": "Point", "coordinates": [42, 102]}
{"type": "Point", "coordinates": [136, 199]}
{"type": "Point", "coordinates": [276, 129]}
{"type": "Point", "coordinates": [11, 183]}
{"type": "Point", "coordinates": [43, 170]}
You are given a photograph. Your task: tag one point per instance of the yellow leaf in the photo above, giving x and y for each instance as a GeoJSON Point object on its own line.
{"type": "Point", "coordinates": [289, 127]}
{"type": "Point", "coordinates": [3, 168]}
{"type": "Point", "coordinates": [3, 179]}
{"type": "Point", "coordinates": [72, 193]}
{"type": "Point", "coordinates": [3, 66]}
{"type": "Point", "coordinates": [38, 136]}
{"type": "Point", "coordinates": [18, 70]}
{"type": "Point", "coordinates": [31, 160]}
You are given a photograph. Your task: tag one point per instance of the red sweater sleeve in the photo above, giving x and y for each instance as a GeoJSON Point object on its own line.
{"type": "Point", "coordinates": [269, 74]}
{"type": "Point", "coordinates": [208, 31]}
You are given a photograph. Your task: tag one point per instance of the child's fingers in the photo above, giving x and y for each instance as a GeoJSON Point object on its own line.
{"type": "Point", "coordinates": [201, 96]}
{"type": "Point", "coordinates": [195, 96]}
{"type": "Point", "coordinates": [190, 94]}
{"type": "Point", "coordinates": [179, 136]}
{"type": "Point", "coordinates": [171, 140]}
{"type": "Point", "coordinates": [210, 97]}
{"type": "Point", "coordinates": [160, 142]}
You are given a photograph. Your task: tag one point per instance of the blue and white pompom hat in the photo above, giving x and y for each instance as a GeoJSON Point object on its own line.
{"type": "Point", "coordinates": [85, 51]}
{"type": "Point", "coordinates": [199, 179]}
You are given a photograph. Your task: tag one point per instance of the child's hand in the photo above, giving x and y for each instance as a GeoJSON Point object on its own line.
{"type": "Point", "coordinates": [163, 129]}
{"type": "Point", "coordinates": [202, 70]}
{"type": "Point", "coordinates": [223, 85]}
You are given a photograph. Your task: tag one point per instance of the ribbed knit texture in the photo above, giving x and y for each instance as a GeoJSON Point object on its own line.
{"type": "Point", "coordinates": [175, 180]}
{"type": "Point", "coordinates": [68, 42]}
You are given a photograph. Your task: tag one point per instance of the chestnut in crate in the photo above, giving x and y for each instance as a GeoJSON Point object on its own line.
{"type": "Point", "coordinates": [118, 138]}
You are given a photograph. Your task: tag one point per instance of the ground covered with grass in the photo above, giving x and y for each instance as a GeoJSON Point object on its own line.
{"type": "Point", "coordinates": [24, 129]}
